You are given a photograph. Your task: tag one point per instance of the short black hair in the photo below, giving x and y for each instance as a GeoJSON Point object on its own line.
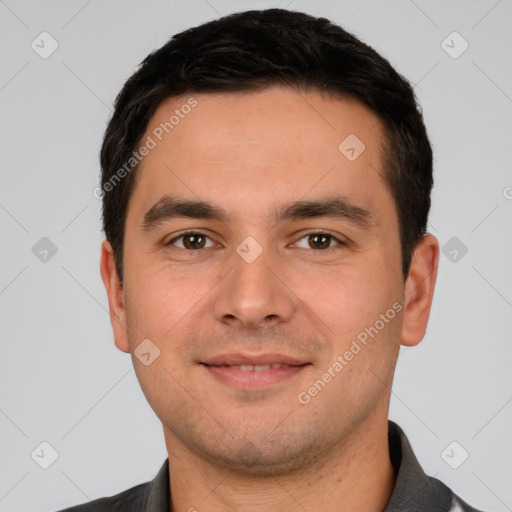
{"type": "Point", "coordinates": [254, 50]}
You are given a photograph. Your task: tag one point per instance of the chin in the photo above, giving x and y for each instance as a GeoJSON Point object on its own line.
{"type": "Point", "coordinates": [270, 458]}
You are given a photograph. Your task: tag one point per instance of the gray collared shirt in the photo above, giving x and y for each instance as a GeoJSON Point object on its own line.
{"type": "Point", "coordinates": [414, 491]}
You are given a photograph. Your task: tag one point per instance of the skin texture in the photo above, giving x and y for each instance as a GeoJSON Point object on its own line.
{"type": "Point", "coordinates": [245, 449]}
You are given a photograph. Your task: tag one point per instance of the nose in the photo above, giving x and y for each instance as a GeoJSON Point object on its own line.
{"type": "Point", "coordinates": [254, 294]}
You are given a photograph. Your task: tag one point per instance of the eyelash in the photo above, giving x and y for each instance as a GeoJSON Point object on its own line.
{"type": "Point", "coordinates": [339, 243]}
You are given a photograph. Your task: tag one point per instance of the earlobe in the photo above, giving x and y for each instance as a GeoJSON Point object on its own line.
{"type": "Point", "coordinates": [115, 296]}
{"type": "Point", "coordinates": [419, 290]}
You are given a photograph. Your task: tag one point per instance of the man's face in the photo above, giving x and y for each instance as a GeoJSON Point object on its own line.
{"type": "Point", "coordinates": [259, 277]}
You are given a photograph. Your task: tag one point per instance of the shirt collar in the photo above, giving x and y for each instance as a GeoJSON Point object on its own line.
{"type": "Point", "coordinates": [413, 489]}
{"type": "Point", "coordinates": [158, 493]}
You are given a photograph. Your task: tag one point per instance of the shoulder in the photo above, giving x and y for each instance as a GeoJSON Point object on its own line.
{"type": "Point", "coordinates": [150, 496]}
{"type": "Point", "coordinates": [414, 490]}
{"type": "Point", "coordinates": [457, 504]}
{"type": "Point", "coordinates": [131, 500]}
{"type": "Point", "coordinates": [461, 506]}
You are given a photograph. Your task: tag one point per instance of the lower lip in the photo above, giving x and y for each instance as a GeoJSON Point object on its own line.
{"type": "Point", "coordinates": [252, 379]}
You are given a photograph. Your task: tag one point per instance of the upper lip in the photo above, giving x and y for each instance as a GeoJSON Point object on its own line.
{"type": "Point", "coordinates": [245, 359]}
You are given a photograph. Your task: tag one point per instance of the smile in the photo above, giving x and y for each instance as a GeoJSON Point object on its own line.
{"type": "Point", "coordinates": [254, 376]}
{"type": "Point", "coordinates": [257, 367]}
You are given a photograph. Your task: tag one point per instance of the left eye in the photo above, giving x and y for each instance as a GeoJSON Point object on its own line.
{"type": "Point", "coordinates": [192, 241]}
{"type": "Point", "coordinates": [318, 241]}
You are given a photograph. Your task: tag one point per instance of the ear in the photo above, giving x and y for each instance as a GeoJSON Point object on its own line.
{"type": "Point", "coordinates": [115, 296]}
{"type": "Point", "coordinates": [419, 290]}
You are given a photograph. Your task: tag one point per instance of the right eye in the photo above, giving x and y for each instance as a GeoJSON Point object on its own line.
{"type": "Point", "coordinates": [192, 241]}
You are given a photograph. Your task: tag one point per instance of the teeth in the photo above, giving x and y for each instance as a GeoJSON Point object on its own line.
{"type": "Point", "coordinates": [261, 367]}
{"type": "Point", "coordinates": [258, 367]}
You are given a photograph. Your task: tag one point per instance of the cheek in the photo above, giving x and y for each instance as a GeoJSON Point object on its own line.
{"type": "Point", "coordinates": [359, 307]}
{"type": "Point", "coordinates": [159, 308]}
{"type": "Point", "coordinates": [347, 298]}
{"type": "Point", "coordinates": [163, 302]}
{"type": "Point", "coordinates": [166, 302]}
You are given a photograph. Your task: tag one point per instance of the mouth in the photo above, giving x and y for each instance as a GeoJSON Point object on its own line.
{"type": "Point", "coordinates": [255, 367]}
{"type": "Point", "coordinates": [254, 372]}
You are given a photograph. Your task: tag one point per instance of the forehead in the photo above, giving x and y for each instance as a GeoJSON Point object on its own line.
{"type": "Point", "coordinates": [278, 144]}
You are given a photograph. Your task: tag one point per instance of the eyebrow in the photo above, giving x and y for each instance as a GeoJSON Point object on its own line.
{"type": "Point", "coordinates": [338, 207]}
{"type": "Point", "coordinates": [169, 208]}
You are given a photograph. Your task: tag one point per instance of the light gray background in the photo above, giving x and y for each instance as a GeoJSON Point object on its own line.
{"type": "Point", "coordinates": [62, 379]}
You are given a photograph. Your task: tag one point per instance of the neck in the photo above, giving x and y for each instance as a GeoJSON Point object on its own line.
{"type": "Point", "coordinates": [355, 477]}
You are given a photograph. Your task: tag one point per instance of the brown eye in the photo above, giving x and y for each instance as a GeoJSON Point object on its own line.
{"type": "Point", "coordinates": [319, 241]}
{"type": "Point", "coordinates": [192, 241]}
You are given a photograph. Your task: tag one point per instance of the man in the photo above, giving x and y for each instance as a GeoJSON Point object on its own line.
{"type": "Point", "coordinates": [266, 188]}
